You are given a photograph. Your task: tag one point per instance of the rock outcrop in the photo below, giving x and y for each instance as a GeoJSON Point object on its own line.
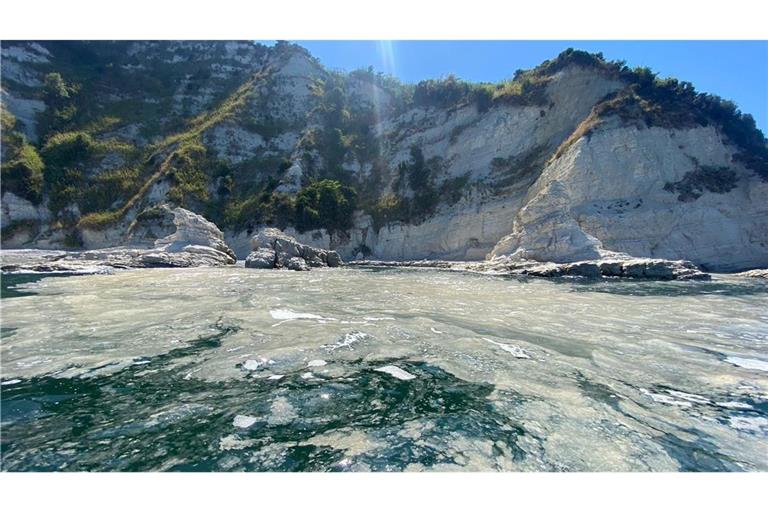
{"type": "Point", "coordinates": [274, 249]}
{"type": "Point", "coordinates": [634, 268]}
{"type": "Point", "coordinates": [188, 229]}
{"type": "Point", "coordinates": [189, 241]}
{"type": "Point", "coordinates": [760, 273]}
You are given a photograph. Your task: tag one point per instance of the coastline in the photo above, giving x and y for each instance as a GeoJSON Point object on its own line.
{"type": "Point", "coordinates": [99, 261]}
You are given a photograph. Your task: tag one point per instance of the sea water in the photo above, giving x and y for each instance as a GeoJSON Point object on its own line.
{"type": "Point", "coordinates": [234, 369]}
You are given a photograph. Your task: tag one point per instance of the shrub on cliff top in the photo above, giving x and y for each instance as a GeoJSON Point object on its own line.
{"type": "Point", "coordinates": [440, 93]}
{"type": "Point", "coordinates": [673, 104]}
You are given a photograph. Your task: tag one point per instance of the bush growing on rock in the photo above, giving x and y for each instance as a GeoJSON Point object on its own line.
{"type": "Point", "coordinates": [108, 188]}
{"type": "Point", "coordinates": [263, 208]}
{"type": "Point", "coordinates": [325, 204]}
{"type": "Point", "coordinates": [389, 208]}
{"type": "Point", "coordinates": [718, 180]}
{"type": "Point", "coordinates": [23, 174]}
{"type": "Point", "coordinates": [190, 182]}
{"type": "Point", "coordinates": [66, 155]}
{"type": "Point", "coordinates": [59, 97]}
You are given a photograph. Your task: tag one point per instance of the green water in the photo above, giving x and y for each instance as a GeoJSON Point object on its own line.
{"type": "Point", "coordinates": [241, 370]}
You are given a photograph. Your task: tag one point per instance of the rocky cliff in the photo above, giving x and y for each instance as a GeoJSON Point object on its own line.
{"type": "Point", "coordinates": [574, 160]}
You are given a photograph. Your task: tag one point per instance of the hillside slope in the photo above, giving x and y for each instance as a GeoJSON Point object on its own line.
{"type": "Point", "coordinates": [574, 159]}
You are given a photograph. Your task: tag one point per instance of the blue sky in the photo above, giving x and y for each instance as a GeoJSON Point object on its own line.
{"type": "Point", "coordinates": [735, 70]}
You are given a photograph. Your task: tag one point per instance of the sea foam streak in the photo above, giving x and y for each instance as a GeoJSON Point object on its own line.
{"type": "Point", "coordinates": [750, 364]}
{"type": "Point", "coordinates": [396, 372]}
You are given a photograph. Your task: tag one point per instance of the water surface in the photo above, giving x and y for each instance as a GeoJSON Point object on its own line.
{"type": "Point", "coordinates": [235, 369]}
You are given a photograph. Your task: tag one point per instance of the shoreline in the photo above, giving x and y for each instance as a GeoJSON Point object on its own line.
{"type": "Point", "coordinates": [101, 261]}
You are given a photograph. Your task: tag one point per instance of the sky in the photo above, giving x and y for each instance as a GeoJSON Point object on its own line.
{"type": "Point", "coordinates": [735, 70]}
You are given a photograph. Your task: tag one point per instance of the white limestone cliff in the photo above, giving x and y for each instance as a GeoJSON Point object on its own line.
{"type": "Point", "coordinates": [607, 193]}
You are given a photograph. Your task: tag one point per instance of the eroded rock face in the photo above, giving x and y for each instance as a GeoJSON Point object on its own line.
{"type": "Point", "coordinates": [194, 230]}
{"type": "Point", "coordinates": [631, 191]}
{"type": "Point", "coordinates": [274, 249]}
{"type": "Point", "coordinates": [172, 229]}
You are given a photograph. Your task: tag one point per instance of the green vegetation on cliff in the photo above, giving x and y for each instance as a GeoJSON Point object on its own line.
{"type": "Point", "coordinates": [667, 103]}
{"type": "Point", "coordinates": [122, 117]}
{"type": "Point", "coordinates": [325, 204]}
{"type": "Point", "coordinates": [22, 167]}
{"type": "Point", "coordinates": [23, 173]}
{"type": "Point", "coordinates": [69, 157]}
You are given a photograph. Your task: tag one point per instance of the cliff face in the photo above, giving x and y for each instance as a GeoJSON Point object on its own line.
{"type": "Point", "coordinates": [651, 192]}
{"type": "Point", "coordinates": [572, 160]}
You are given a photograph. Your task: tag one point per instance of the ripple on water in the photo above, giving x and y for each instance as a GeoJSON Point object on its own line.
{"type": "Point", "coordinates": [229, 370]}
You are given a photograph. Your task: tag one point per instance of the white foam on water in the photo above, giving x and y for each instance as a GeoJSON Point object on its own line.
{"type": "Point", "coordinates": [232, 442]}
{"type": "Point", "coordinates": [750, 364]}
{"type": "Point", "coordinates": [281, 412]}
{"type": "Point", "coordinates": [255, 364]}
{"type": "Point", "coordinates": [748, 423]}
{"type": "Point", "coordinates": [690, 397]}
{"type": "Point", "coordinates": [275, 377]}
{"type": "Point", "coordinates": [188, 376]}
{"type": "Point", "coordinates": [9, 382]}
{"type": "Point", "coordinates": [436, 331]}
{"type": "Point", "coordinates": [176, 414]}
{"type": "Point", "coordinates": [515, 351]}
{"type": "Point", "coordinates": [396, 372]}
{"type": "Point", "coordinates": [242, 421]}
{"type": "Point", "coordinates": [352, 442]}
{"type": "Point", "coordinates": [307, 375]}
{"type": "Point", "coordinates": [734, 405]}
{"type": "Point", "coordinates": [316, 363]}
{"type": "Point", "coordinates": [664, 399]}
{"type": "Point", "coordinates": [347, 340]}
{"type": "Point", "coordinates": [287, 314]}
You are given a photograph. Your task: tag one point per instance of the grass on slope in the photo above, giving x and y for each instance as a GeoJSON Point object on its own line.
{"type": "Point", "coordinates": [170, 146]}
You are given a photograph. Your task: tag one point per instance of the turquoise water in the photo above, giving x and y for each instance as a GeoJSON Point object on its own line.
{"type": "Point", "coordinates": [241, 370]}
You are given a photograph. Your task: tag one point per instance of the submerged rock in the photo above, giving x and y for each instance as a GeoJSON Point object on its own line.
{"type": "Point", "coordinates": [274, 249]}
